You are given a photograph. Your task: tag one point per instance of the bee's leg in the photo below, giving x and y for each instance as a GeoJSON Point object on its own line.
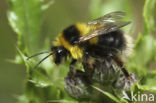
{"type": "Point", "coordinates": [72, 63]}
{"type": "Point", "coordinates": [120, 63]}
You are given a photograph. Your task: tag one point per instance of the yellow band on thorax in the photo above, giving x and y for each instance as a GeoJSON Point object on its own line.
{"type": "Point", "coordinates": [75, 51]}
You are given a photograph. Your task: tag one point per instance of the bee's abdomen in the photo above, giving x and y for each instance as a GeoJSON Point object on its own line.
{"type": "Point", "coordinates": [114, 39]}
{"type": "Point", "coordinates": [71, 34]}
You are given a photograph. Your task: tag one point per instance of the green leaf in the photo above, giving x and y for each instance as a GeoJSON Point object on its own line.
{"type": "Point", "coordinates": [149, 15]}
{"type": "Point", "coordinates": [62, 101]}
{"type": "Point", "coordinates": [25, 19]}
{"type": "Point", "coordinates": [33, 94]}
{"type": "Point", "coordinates": [22, 58]}
{"type": "Point", "coordinates": [146, 47]}
{"type": "Point", "coordinates": [116, 100]}
{"type": "Point", "coordinates": [40, 80]}
{"type": "Point", "coordinates": [148, 83]}
{"type": "Point", "coordinates": [143, 55]}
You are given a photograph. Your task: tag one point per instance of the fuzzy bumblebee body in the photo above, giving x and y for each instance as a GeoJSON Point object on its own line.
{"type": "Point", "coordinates": [100, 38]}
{"type": "Point", "coordinates": [113, 40]}
{"type": "Point", "coordinates": [71, 34]}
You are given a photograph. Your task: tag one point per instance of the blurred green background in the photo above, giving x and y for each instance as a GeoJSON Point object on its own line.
{"type": "Point", "coordinates": [59, 15]}
{"type": "Point", "coordinates": [11, 75]}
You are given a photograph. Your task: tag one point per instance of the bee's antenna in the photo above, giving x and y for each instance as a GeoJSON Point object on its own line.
{"type": "Point", "coordinates": [37, 54]}
{"type": "Point", "coordinates": [43, 60]}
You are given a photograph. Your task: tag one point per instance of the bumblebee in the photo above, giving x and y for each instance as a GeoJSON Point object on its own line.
{"type": "Point", "coordinates": [101, 37]}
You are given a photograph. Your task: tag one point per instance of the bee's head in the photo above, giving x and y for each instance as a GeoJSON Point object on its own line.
{"type": "Point", "coordinates": [60, 54]}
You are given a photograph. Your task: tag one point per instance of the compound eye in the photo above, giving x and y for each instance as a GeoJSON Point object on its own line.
{"type": "Point", "coordinates": [57, 49]}
{"type": "Point", "coordinates": [60, 54]}
{"type": "Point", "coordinates": [60, 50]}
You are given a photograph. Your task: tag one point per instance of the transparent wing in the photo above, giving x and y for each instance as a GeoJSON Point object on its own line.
{"type": "Point", "coordinates": [112, 17]}
{"type": "Point", "coordinates": [110, 22]}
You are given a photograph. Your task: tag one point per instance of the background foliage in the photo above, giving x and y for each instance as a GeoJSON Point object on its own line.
{"type": "Point", "coordinates": [37, 23]}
